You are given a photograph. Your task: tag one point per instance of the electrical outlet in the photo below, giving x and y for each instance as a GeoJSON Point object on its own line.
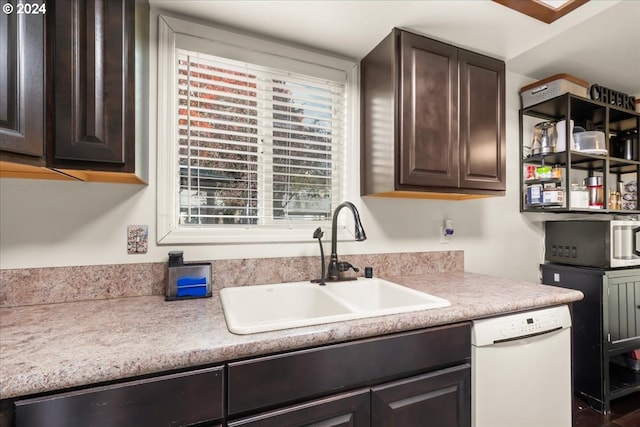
{"type": "Point", "coordinates": [443, 238]}
{"type": "Point", "coordinates": [137, 239]}
{"type": "Point", "coordinates": [446, 231]}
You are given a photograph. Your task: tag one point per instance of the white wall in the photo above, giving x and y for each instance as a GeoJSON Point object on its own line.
{"type": "Point", "coordinates": [56, 223]}
{"type": "Point", "coordinates": [51, 223]}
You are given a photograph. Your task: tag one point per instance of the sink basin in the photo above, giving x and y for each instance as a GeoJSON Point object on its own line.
{"type": "Point", "coordinates": [383, 297]}
{"type": "Point", "coordinates": [262, 308]}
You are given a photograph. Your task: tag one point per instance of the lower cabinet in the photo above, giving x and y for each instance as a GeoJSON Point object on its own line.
{"type": "Point", "coordinates": [437, 399]}
{"type": "Point", "coordinates": [606, 325]}
{"type": "Point", "coordinates": [170, 400]}
{"type": "Point", "coordinates": [416, 378]}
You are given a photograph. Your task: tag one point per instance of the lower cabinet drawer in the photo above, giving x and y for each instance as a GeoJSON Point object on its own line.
{"type": "Point", "coordinates": [347, 409]}
{"type": "Point", "coordinates": [170, 400]}
{"type": "Point", "coordinates": [272, 381]}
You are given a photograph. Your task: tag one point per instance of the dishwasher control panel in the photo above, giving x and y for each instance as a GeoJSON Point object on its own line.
{"type": "Point", "coordinates": [519, 325]}
{"type": "Point", "coordinates": [532, 324]}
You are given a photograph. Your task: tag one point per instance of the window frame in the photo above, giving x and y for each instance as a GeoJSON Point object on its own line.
{"type": "Point", "coordinates": [174, 32]}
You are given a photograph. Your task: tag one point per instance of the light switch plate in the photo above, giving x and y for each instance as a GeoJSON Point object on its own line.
{"type": "Point", "coordinates": [137, 239]}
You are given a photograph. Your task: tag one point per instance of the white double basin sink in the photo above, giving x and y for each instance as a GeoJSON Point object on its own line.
{"type": "Point", "coordinates": [262, 308]}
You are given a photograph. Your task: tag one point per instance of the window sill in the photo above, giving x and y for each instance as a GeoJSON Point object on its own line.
{"type": "Point", "coordinates": [204, 235]}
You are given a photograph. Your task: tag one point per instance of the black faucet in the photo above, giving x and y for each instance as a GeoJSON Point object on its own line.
{"type": "Point", "coordinates": [336, 267]}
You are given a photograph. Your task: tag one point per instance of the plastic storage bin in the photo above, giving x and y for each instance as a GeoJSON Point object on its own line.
{"type": "Point", "coordinates": [591, 142]}
{"type": "Point", "coordinates": [551, 87]}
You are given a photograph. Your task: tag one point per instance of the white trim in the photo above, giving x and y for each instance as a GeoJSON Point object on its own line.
{"type": "Point", "coordinates": [202, 235]}
{"type": "Point", "coordinates": [351, 179]}
{"type": "Point", "coordinates": [194, 36]}
{"type": "Point", "coordinates": [174, 33]}
{"type": "Point", "coordinates": [166, 169]}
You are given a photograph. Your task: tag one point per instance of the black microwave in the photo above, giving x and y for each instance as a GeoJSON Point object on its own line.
{"type": "Point", "coordinates": [593, 243]}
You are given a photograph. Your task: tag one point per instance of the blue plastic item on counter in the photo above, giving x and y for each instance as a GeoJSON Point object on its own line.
{"type": "Point", "coordinates": [192, 291]}
{"type": "Point", "coordinates": [187, 281]}
{"type": "Point", "coordinates": [191, 286]}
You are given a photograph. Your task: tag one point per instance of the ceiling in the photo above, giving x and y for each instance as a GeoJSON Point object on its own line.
{"type": "Point", "coordinates": [598, 42]}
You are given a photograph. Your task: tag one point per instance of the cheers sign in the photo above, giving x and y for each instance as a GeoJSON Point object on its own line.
{"type": "Point", "coordinates": [613, 97]}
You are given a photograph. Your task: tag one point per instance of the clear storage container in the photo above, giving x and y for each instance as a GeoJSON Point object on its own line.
{"type": "Point", "coordinates": [591, 142]}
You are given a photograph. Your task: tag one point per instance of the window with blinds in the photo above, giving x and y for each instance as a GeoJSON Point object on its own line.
{"type": "Point", "coordinates": [256, 145]}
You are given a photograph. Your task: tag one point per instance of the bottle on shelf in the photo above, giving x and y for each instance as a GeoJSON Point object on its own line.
{"type": "Point", "coordinates": [596, 192]}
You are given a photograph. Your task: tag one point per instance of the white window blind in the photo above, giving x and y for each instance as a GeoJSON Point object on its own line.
{"type": "Point", "coordinates": [257, 146]}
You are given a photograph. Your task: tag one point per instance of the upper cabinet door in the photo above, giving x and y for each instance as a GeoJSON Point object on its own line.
{"type": "Point", "coordinates": [22, 85]}
{"type": "Point", "coordinates": [428, 104]}
{"type": "Point", "coordinates": [92, 60]}
{"type": "Point", "coordinates": [482, 118]}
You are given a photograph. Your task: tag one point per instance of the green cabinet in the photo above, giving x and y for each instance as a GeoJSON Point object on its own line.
{"type": "Point", "coordinates": [606, 324]}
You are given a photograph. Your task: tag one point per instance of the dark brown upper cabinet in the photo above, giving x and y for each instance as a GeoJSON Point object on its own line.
{"type": "Point", "coordinates": [433, 119]}
{"type": "Point", "coordinates": [93, 84]}
{"type": "Point", "coordinates": [21, 84]}
{"type": "Point", "coordinates": [89, 48]}
{"type": "Point", "coordinates": [22, 96]}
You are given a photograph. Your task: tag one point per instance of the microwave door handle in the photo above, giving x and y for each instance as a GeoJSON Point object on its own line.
{"type": "Point", "coordinates": [635, 241]}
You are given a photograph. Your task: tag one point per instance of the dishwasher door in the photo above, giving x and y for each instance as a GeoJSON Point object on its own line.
{"type": "Point", "coordinates": [521, 370]}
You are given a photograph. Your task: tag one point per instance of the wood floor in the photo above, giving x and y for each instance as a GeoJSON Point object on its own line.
{"type": "Point", "coordinates": [625, 412]}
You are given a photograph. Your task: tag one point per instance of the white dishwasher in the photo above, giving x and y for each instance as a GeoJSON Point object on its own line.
{"type": "Point", "coordinates": [521, 370]}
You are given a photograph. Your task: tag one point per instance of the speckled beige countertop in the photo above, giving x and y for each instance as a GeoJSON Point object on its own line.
{"type": "Point", "coordinates": [55, 346]}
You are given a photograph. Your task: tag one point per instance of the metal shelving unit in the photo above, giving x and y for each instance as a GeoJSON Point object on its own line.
{"type": "Point", "coordinates": [575, 164]}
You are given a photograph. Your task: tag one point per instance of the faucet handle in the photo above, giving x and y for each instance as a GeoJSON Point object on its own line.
{"type": "Point", "coordinates": [345, 266]}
